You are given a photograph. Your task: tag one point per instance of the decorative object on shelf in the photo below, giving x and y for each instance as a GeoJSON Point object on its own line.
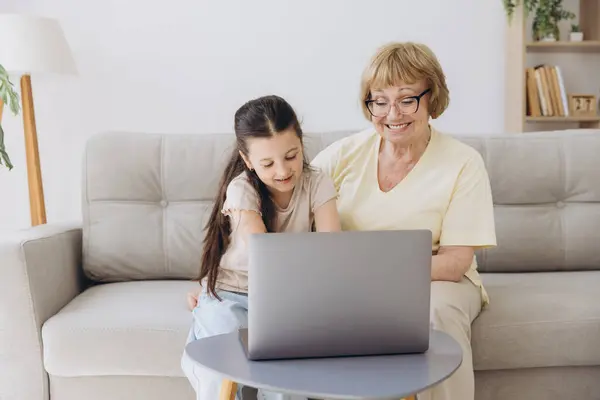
{"type": "Point", "coordinates": [9, 96]}
{"type": "Point", "coordinates": [576, 35]}
{"type": "Point", "coordinates": [547, 15]}
{"type": "Point", "coordinates": [546, 93]}
{"type": "Point", "coordinates": [32, 45]}
{"type": "Point", "coordinates": [582, 105]}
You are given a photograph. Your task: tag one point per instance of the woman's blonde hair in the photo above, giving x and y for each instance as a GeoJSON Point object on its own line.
{"type": "Point", "coordinates": [405, 62]}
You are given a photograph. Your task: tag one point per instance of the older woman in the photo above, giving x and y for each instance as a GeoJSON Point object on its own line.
{"type": "Point", "coordinates": [404, 174]}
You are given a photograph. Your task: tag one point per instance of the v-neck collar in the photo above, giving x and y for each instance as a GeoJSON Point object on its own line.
{"type": "Point", "coordinates": [418, 165]}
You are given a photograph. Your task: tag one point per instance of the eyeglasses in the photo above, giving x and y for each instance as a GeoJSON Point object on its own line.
{"type": "Point", "coordinates": [407, 105]}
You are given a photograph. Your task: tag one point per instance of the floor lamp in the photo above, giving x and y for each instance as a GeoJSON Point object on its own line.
{"type": "Point", "coordinates": [31, 45]}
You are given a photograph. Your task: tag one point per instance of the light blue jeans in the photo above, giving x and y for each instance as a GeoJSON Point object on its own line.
{"type": "Point", "coordinates": [213, 317]}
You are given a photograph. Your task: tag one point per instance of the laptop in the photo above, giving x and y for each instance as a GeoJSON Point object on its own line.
{"type": "Point", "coordinates": [335, 294]}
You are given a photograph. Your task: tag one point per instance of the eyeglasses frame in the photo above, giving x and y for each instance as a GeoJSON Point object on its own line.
{"type": "Point", "coordinates": [417, 97]}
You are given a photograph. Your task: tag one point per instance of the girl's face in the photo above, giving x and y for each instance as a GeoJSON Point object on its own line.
{"type": "Point", "coordinates": [277, 160]}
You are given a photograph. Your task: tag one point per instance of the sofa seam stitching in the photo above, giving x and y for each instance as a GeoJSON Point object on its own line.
{"type": "Point", "coordinates": [563, 180]}
{"type": "Point", "coordinates": [133, 329]}
{"type": "Point", "coordinates": [487, 160]}
{"type": "Point", "coordinates": [163, 205]}
{"type": "Point", "coordinates": [86, 241]}
{"type": "Point", "coordinates": [587, 321]}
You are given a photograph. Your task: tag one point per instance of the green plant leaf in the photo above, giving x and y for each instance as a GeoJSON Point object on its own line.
{"type": "Point", "coordinates": [9, 97]}
{"type": "Point", "coordinates": [8, 94]}
{"type": "Point", "coordinates": [3, 154]}
{"type": "Point", "coordinates": [3, 93]}
{"type": "Point", "coordinates": [14, 102]}
{"type": "Point", "coordinates": [509, 8]}
{"type": "Point", "coordinates": [529, 6]}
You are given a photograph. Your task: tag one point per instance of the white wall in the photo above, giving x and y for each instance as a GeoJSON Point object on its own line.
{"type": "Point", "coordinates": [186, 65]}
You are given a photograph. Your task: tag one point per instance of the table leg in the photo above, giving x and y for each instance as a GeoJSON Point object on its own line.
{"type": "Point", "coordinates": [228, 389]}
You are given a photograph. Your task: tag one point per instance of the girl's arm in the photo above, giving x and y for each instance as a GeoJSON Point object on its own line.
{"type": "Point", "coordinates": [248, 222]}
{"type": "Point", "coordinates": [327, 218]}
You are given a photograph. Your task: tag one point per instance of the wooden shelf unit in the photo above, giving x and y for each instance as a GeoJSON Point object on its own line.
{"type": "Point", "coordinates": [519, 48]}
{"type": "Point", "coordinates": [586, 46]}
{"type": "Point", "coordinates": [529, 118]}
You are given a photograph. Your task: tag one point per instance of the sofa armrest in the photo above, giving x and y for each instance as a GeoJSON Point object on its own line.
{"type": "Point", "coordinates": [40, 272]}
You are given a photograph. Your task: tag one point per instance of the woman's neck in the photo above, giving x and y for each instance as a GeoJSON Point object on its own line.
{"type": "Point", "coordinates": [408, 152]}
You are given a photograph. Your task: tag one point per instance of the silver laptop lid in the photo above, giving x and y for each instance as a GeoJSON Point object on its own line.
{"type": "Point", "coordinates": [346, 293]}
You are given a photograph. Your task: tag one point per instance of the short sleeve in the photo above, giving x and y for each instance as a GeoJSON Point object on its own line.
{"type": "Point", "coordinates": [241, 195]}
{"type": "Point", "coordinates": [325, 160]}
{"type": "Point", "coordinates": [469, 219]}
{"type": "Point", "coordinates": [328, 160]}
{"type": "Point", "coordinates": [321, 189]}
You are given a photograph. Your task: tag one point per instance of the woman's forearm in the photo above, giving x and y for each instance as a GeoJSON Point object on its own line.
{"type": "Point", "coordinates": [451, 263]}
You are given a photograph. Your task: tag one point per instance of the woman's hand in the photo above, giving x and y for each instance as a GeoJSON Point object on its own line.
{"type": "Point", "coordinates": [192, 298]}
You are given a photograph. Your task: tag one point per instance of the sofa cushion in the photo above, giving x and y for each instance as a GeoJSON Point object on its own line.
{"type": "Point", "coordinates": [144, 212]}
{"type": "Point", "coordinates": [538, 320]}
{"type": "Point", "coordinates": [546, 190]}
{"type": "Point", "coordinates": [126, 328]}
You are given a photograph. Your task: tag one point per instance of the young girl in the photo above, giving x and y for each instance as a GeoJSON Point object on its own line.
{"type": "Point", "coordinates": [267, 186]}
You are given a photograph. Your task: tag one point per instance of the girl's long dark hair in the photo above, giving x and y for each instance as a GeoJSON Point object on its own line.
{"type": "Point", "coordinates": [259, 118]}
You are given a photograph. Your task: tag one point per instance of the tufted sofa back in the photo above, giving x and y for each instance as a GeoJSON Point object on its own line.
{"type": "Point", "coordinates": [147, 197]}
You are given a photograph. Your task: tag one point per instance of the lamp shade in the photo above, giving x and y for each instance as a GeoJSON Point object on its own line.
{"type": "Point", "coordinates": [30, 45]}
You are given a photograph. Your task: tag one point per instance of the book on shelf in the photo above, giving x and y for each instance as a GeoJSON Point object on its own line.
{"type": "Point", "coordinates": [546, 94]}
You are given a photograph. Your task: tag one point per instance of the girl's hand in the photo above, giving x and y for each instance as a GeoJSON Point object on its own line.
{"type": "Point", "coordinates": [192, 298]}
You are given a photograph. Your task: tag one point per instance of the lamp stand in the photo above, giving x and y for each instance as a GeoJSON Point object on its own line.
{"type": "Point", "coordinates": [37, 205]}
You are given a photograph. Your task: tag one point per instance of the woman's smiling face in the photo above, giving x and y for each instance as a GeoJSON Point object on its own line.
{"type": "Point", "coordinates": [398, 115]}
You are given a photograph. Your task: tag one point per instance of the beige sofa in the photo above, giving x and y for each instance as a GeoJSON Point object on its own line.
{"type": "Point", "coordinates": [96, 310]}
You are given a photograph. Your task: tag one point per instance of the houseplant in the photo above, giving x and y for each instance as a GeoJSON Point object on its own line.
{"type": "Point", "coordinates": [511, 5]}
{"type": "Point", "coordinates": [547, 15]}
{"type": "Point", "coordinates": [9, 97]}
{"type": "Point", "coordinates": [576, 34]}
